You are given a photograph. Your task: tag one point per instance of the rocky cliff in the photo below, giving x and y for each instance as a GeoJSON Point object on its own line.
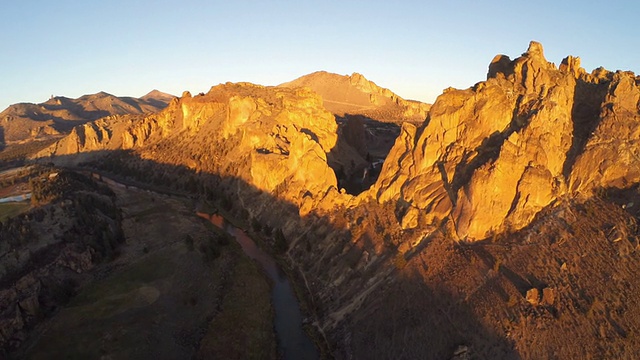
{"type": "Point", "coordinates": [355, 94]}
{"type": "Point", "coordinates": [281, 141]}
{"type": "Point", "coordinates": [487, 159]}
{"type": "Point", "coordinates": [492, 156]}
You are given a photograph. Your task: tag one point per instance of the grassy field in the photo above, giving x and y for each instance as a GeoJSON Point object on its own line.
{"type": "Point", "coordinates": [247, 318]}
{"type": "Point", "coordinates": [111, 317]}
{"type": "Point", "coordinates": [8, 210]}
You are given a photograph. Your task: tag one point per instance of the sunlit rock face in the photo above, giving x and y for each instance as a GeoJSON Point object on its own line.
{"type": "Point", "coordinates": [611, 155]}
{"type": "Point", "coordinates": [492, 156]}
{"type": "Point", "coordinates": [278, 140]}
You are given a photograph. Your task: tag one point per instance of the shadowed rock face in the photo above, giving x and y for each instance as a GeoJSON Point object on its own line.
{"type": "Point", "coordinates": [492, 156]}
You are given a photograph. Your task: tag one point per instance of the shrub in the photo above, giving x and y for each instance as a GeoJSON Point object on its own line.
{"type": "Point", "coordinates": [256, 225]}
{"type": "Point", "coordinates": [281, 245]}
{"type": "Point", "coordinates": [210, 249]}
{"type": "Point", "coordinates": [188, 240]}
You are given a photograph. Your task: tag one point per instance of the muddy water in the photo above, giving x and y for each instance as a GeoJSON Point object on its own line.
{"type": "Point", "coordinates": [293, 342]}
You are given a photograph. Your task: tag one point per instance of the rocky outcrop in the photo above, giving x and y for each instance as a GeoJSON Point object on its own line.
{"type": "Point", "coordinates": [492, 156]}
{"type": "Point", "coordinates": [281, 141]}
{"type": "Point", "coordinates": [611, 154]}
{"type": "Point", "coordinates": [355, 94]}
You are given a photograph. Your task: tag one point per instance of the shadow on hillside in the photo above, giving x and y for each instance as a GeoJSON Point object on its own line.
{"type": "Point", "coordinates": [153, 102]}
{"type": "Point", "coordinates": [587, 100]}
{"type": "Point", "coordinates": [132, 102]}
{"type": "Point", "coordinates": [2, 144]}
{"type": "Point", "coordinates": [405, 318]}
{"type": "Point", "coordinates": [66, 104]}
{"type": "Point", "coordinates": [627, 198]}
{"type": "Point", "coordinates": [370, 142]}
{"type": "Point", "coordinates": [412, 320]}
{"type": "Point", "coordinates": [61, 110]}
{"type": "Point", "coordinates": [65, 126]}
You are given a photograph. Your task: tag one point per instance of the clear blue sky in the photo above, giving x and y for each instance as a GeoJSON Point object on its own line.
{"type": "Point", "coordinates": [415, 48]}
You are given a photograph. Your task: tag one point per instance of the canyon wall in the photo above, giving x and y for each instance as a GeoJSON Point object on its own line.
{"type": "Point", "coordinates": [526, 147]}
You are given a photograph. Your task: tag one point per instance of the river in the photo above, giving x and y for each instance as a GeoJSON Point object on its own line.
{"type": "Point", "coordinates": [16, 198]}
{"type": "Point", "coordinates": [293, 342]}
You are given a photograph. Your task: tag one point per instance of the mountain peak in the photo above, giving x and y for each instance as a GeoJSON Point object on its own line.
{"type": "Point", "coordinates": [356, 95]}
{"type": "Point", "coordinates": [157, 95]}
{"type": "Point", "coordinates": [58, 115]}
{"type": "Point", "coordinates": [102, 94]}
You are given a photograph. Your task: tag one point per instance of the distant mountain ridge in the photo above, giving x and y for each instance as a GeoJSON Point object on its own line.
{"type": "Point", "coordinates": [58, 115]}
{"type": "Point", "coordinates": [355, 94]}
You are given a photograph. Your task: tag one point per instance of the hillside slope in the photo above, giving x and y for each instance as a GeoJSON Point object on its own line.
{"type": "Point", "coordinates": [56, 116]}
{"type": "Point", "coordinates": [356, 95]}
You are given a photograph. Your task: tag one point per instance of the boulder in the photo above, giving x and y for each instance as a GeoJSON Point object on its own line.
{"type": "Point", "coordinates": [533, 296]}
{"type": "Point", "coordinates": [548, 296]}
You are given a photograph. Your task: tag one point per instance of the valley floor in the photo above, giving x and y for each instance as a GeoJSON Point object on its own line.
{"type": "Point", "coordinates": [175, 283]}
